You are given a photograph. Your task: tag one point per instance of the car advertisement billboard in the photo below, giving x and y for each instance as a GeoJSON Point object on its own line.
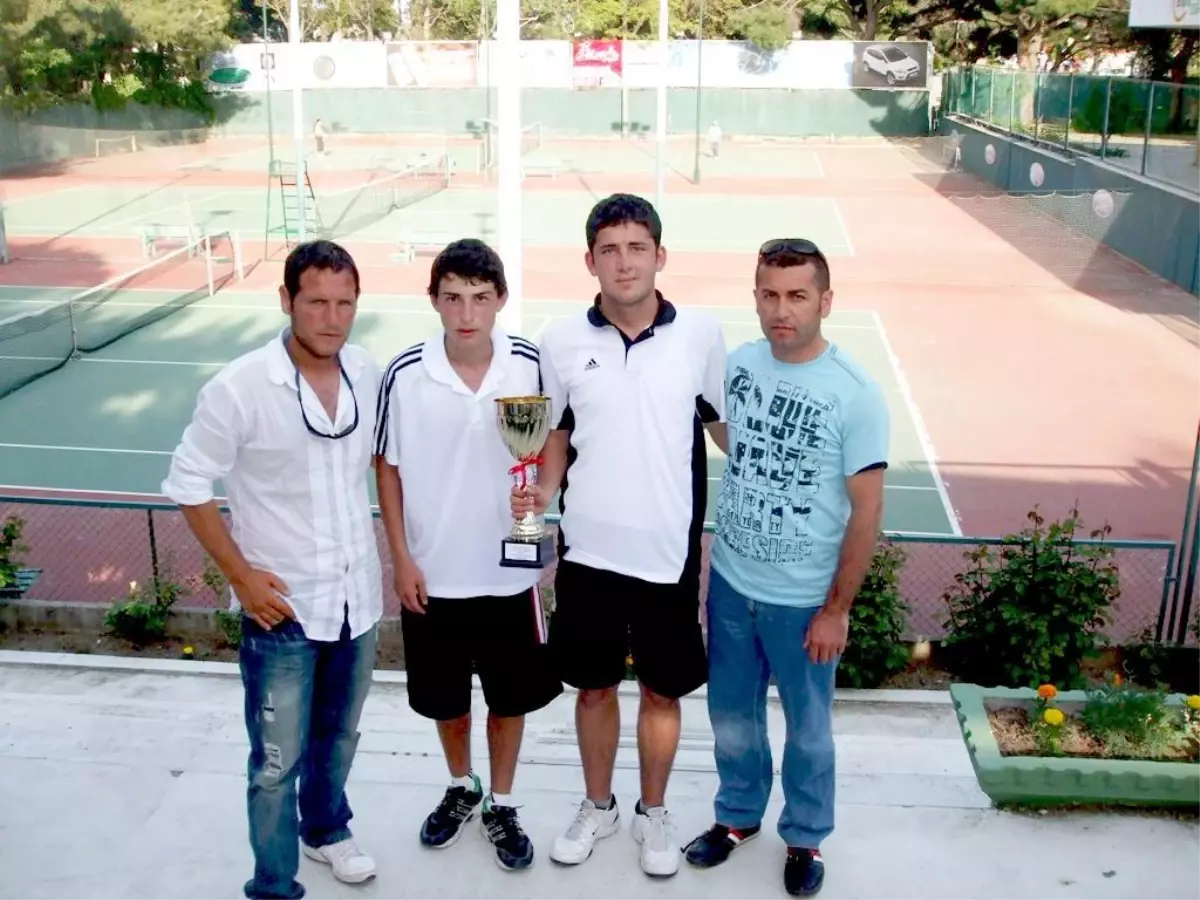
{"type": "Point", "coordinates": [890, 64]}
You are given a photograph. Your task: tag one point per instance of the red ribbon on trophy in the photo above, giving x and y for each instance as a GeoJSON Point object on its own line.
{"type": "Point", "coordinates": [522, 468]}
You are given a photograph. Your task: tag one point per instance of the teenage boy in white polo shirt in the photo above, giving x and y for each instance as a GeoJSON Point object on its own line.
{"type": "Point", "coordinates": [444, 495]}
{"type": "Point", "coordinates": [634, 382]}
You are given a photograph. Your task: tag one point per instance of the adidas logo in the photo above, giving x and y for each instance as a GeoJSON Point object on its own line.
{"type": "Point", "coordinates": [591, 364]}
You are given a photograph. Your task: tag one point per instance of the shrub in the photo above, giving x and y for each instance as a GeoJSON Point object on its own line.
{"type": "Point", "coordinates": [11, 550]}
{"type": "Point", "coordinates": [1030, 611]}
{"type": "Point", "coordinates": [875, 650]}
{"type": "Point", "coordinates": [142, 616]}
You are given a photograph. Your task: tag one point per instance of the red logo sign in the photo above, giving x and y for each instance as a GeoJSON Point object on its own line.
{"type": "Point", "coordinates": [605, 54]}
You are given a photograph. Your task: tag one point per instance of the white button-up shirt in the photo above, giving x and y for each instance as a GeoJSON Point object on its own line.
{"type": "Point", "coordinates": [300, 503]}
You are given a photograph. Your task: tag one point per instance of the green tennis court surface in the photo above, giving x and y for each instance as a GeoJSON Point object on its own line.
{"type": "Point", "coordinates": [362, 211]}
{"type": "Point", "coordinates": [108, 422]}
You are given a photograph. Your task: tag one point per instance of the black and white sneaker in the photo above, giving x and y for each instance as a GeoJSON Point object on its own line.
{"type": "Point", "coordinates": [514, 850]}
{"type": "Point", "coordinates": [459, 806]}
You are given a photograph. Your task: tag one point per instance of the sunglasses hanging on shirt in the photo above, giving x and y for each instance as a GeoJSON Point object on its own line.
{"type": "Point", "coordinates": [300, 399]}
{"type": "Point", "coordinates": [349, 429]}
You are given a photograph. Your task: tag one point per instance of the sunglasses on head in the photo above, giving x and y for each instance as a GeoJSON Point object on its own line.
{"type": "Point", "coordinates": [791, 246]}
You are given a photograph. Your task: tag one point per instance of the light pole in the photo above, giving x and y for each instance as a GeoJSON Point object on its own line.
{"type": "Point", "coordinates": [699, 90]}
{"type": "Point", "coordinates": [663, 59]}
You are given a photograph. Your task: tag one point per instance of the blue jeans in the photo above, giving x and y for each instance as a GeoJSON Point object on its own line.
{"type": "Point", "coordinates": [303, 703]}
{"type": "Point", "coordinates": [748, 642]}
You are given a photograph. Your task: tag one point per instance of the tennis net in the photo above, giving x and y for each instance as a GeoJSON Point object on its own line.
{"type": "Point", "coordinates": [36, 343]}
{"type": "Point", "coordinates": [365, 204]}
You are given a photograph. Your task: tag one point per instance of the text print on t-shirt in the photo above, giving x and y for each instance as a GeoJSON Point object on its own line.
{"type": "Point", "coordinates": [774, 468]}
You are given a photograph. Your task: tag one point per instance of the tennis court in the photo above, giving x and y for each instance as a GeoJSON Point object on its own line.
{"type": "Point", "coordinates": [118, 412]}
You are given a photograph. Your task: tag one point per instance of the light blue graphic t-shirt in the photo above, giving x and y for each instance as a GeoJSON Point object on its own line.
{"type": "Point", "coordinates": [796, 431]}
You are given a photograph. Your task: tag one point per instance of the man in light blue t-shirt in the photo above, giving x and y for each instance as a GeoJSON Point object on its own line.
{"type": "Point", "coordinates": [799, 511]}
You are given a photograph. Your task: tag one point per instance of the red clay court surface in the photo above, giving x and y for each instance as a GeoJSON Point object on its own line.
{"type": "Point", "coordinates": [1036, 387]}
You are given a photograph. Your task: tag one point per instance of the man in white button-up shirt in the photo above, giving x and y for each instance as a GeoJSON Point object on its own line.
{"type": "Point", "coordinates": [287, 428]}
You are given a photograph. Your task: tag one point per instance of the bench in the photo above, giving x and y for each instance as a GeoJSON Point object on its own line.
{"type": "Point", "coordinates": [550, 167]}
{"type": "Point", "coordinates": [153, 235]}
{"type": "Point", "coordinates": [410, 244]}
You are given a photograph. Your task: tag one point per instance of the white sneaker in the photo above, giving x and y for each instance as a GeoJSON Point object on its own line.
{"type": "Point", "coordinates": [655, 831]}
{"type": "Point", "coordinates": [349, 863]}
{"type": "Point", "coordinates": [591, 824]}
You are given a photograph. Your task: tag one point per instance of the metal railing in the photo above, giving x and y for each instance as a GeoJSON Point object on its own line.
{"type": "Point", "coordinates": [88, 551]}
{"type": "Point", "coordinates": [1147, 127]}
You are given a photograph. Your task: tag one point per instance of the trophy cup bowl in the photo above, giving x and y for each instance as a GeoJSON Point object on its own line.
{"type": "Point", "coordinates": [524, 425]}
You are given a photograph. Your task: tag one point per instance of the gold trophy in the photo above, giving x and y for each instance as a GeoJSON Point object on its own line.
{"type": "Point", "coordinates": [524, 424]}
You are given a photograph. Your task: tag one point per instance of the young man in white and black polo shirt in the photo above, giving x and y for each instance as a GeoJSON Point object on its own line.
{"type": "Point", "coordinates": [444, 496]}
{"type": "Point", "coordinates": [634, 382]}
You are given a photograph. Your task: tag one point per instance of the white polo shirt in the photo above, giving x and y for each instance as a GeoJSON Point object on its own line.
{"type": "Point", "coordinates": [634, 493]}
{"type": "Point", "coordinates": [300, 503]}
{"type": "Point", "coordinates": [454, 468]}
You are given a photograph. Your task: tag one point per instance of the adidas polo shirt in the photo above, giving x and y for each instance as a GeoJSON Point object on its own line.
{"type": "Point", "coordinates": [453, 466]}
{"type": "Point", "coordinates": [634, 492]}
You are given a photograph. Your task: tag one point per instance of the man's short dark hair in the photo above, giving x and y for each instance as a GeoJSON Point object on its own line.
{"type": "Point", "coordinates": [621, 209]}
{"type": "Point", "coordinates": [471, 260]}
{"type": "Point", "coordinates": [785, 253]}
{"type": "Point", "coordinates": [319, 254]}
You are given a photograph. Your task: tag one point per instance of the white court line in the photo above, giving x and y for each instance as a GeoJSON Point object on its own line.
{"type": "Point", "coordinates": [132, 362]}
{"type": "Point", "coordinates": [748, 313]}
{"type": "Point", "coordinates": [186, 204]}
{"type": "Point", "coordinates": [86, 450]}
{"type": "Point", "coordinates": [922, 434]}
{"type": "Point", "coordinates": [820, 168]}
{"type": "Point", "coordinates": [842, 224]}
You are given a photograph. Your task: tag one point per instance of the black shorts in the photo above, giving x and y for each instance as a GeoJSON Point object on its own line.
{"type": "Point", "coordinates": [502, 639]}
{"type": "Point", "coordinates": [602, 617]}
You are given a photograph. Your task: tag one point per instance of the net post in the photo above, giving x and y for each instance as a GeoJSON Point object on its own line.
{"type": "Point", "coordinates": [235, 238]}
{"type": "Point", "coordinates": [208, 264]}
{"type": "Point", "coordinates": [74, 331]}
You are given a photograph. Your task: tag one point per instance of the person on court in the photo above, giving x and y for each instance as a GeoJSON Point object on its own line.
{"type": "Point", "coordinates": [798, 515]}
{"type": "Point", "coordinates": [444, 495]}
{"type": "Point", "coordinates": [287, 429]}
{"type": "Point", "coordinates": [634, 381]}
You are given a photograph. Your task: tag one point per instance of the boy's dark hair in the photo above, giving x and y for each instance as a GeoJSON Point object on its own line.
{"type": "Point", "coordinates": [471, 260]}
{"type": "Point", "coordinates": [620, 209]}
{"type": "Point", "coordinates": [319, 254]}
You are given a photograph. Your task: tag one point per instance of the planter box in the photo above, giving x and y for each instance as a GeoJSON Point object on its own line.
{"type": "Point", "coordinates": [25, 580]}
{"type": "Point", "coordinates": [1042, 781]}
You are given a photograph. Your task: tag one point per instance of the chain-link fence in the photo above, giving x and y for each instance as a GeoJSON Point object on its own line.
{"type": "Point", "coordinates": [1149, 127]}
{"type": "Point", "coordinates": [89, 552]}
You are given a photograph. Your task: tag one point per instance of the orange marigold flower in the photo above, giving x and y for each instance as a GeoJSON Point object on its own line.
{"type": "Point", "coordinates": [1117, 679]}
{"type": "Point", "coordinates": [1047, 691]}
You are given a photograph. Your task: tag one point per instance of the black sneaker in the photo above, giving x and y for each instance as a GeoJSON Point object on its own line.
{"type": "Point", "coordinates": [804, 871]}
{"type": "Point", "coordinates": [458, 807]}
{"type": "Point", "coordinates": [714, 846]}
{"type": "Point", "coordinates": [514, 850]}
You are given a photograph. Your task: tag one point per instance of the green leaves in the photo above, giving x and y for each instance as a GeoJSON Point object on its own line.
{"type": "Point", "coordinates": [108, 52]}
{"type": "Point", "coordinates": [1030, 611]}
{"type": "Point", "coordinates": [875, 651]}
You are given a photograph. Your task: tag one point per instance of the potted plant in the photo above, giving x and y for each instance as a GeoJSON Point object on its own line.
{"type": "Point", "coordinates": [1112, 744]}
{"type": "Point", "coordinates": [15, 580]}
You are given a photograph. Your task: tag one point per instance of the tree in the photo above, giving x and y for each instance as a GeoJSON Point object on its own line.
{"type": "Point", "coordinates": [55, 51]}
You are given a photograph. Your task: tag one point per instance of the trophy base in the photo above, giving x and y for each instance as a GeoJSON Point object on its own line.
{"type": "Point", "coordinates": [527, 554]}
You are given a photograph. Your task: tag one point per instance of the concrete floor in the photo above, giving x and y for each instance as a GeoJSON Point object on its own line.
{"type": "Point", "coordinates": [125, 778]}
